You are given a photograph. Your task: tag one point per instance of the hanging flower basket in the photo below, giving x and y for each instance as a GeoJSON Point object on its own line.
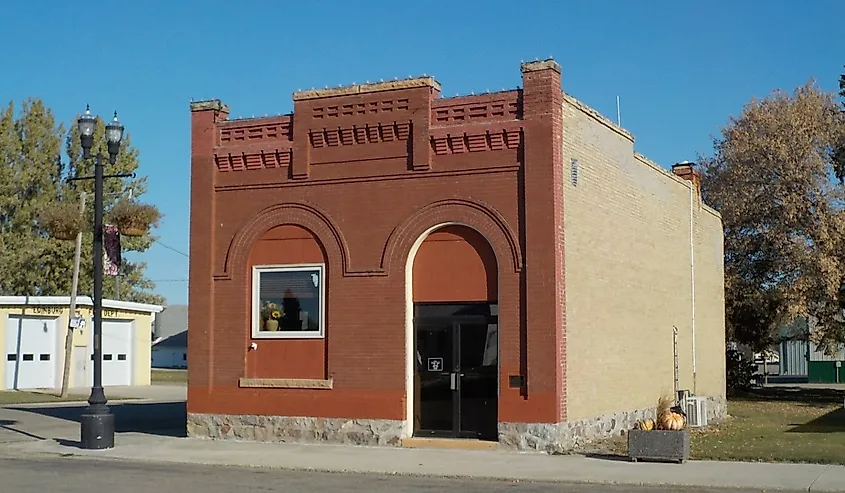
{"type": "Point", "coordinates": [133, 218]}
{"type": "Point", "coordinates": [62, 220]}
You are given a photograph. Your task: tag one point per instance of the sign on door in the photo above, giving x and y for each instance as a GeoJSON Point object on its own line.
{"type": "Point", "coordinates": [435, 364]}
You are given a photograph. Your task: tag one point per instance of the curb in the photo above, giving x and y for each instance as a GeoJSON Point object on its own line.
{"type": "Point", "coordinates": [123, 400]}
{"type": "Point", "coordinates": [321, 470]}
{"type": "Point", "coordinates": [96, 456]}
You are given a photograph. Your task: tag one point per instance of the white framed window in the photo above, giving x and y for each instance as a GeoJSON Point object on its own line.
{"type": "Point", "coordinates": [288, 301]}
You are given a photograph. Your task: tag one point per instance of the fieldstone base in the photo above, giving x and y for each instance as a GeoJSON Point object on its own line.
{"type": "Point", "coordinates": [543, 437]}
{"type": "Point", "coordinates": [568, 436]}
{"type": "Point", "coordinates": [717, 409]}
{"type": "Point", "coordinates": [295, 429]}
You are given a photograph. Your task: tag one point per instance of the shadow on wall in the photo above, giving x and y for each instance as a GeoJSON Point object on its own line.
{"type": "Point", "coordinates": [160, 419]}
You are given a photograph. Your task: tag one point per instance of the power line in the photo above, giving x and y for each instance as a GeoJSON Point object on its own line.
{"type": "Point", "coordinates": [168, 280]}
{"type": "Point", "coordinates": [172, 249]}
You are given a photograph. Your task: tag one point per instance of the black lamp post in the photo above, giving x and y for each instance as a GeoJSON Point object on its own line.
{"type": "Point", "coordinates": [97, 421]}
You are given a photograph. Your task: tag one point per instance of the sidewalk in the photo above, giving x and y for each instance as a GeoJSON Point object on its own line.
{"type": "Point", "coordinates": [452, 463]}
{"type": "Point", "coordinates": [124, 393]}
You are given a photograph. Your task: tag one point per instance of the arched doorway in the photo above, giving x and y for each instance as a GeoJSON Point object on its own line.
{"type": "Point", "coordinates": [453, 278]}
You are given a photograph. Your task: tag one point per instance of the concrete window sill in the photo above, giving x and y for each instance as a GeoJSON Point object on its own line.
{"type": "Point", "coordinates": [286, 383]}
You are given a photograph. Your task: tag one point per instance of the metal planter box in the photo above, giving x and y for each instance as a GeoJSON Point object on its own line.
{"type": "Point", "coordinates": [660, 445]}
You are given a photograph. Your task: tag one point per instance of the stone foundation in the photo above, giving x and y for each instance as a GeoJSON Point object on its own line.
{"type": "Point", "coordinates": [542, 437]}
{"type": "Point", "coordinates": [296, 430]}
{"type": "Point", "coordinates": [567, 436]}
{"type": "Point", "coordinates": [717, 409]}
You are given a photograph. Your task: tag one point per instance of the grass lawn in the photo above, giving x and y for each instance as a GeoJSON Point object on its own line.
{"type": "Point", "coordinates": [8, 397]}
{"type": "Point", "coordinates": [169, 376]}
{"type": "Point", "coordinates": [771, 425]}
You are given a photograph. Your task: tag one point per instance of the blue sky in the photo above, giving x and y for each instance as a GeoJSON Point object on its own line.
{"type": "Point", "coordinates": [680, 68]}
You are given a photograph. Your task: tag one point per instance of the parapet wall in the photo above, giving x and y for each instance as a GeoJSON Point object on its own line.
{"type": "Point", "coordinates": [394, 120]}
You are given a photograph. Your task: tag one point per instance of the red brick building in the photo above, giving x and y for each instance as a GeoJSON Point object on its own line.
{"type": "Point", "coordinates": [383, 263]}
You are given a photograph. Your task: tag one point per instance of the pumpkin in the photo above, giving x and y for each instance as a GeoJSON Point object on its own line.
{"type": "Point", "coordinates": [672, 421]}
{"type": "Point", "coordinates": [645, 425]}
{"type": "Point", "coordinates": [667, 417]}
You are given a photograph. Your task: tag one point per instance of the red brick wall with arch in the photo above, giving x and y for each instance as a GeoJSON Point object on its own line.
{"type": "Point", "coordinates": [293, 358]}
{"type": "Point", "coordinates": [365, 174]}
{"type": "Point", "coordinates": [455, 264]}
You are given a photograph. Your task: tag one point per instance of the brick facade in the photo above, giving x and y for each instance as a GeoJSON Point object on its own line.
{"type": "Point", "coordinates": [355, 178]}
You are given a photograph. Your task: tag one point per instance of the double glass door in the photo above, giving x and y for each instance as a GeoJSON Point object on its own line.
{"type": "Point", "coordinates": [456, 378]}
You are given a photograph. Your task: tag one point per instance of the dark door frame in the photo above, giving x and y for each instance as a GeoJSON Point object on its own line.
{"type": "Point", "coordinates": [456, 371]}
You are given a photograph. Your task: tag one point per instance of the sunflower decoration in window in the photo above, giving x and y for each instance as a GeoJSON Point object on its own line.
{"type": "Point", "coordinates": [296, 293]}
{"type": "Point", "coordinates": [271, 313]}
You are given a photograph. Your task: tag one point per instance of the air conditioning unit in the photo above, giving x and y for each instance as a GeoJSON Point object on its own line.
{"type": "Point", "coordinates": [696, 412]}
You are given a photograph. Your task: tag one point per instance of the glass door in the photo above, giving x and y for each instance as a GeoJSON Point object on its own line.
{"type": "Point", "coordinates": [456, 377]}
{"type": "Point", "coordinates": [435, 412]}
{"type": "Point", "coordinates": [478, 379]}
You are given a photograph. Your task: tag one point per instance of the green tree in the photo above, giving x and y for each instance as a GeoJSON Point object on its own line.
{"type": "Point", "coordinates": [772, 177]}
{"type": "Point", "coordinates": [32, 178]}
{"type": "Point", "coordinates": [29, 147]}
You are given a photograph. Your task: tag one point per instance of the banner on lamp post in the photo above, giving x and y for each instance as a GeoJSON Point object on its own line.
{"type": "Point", "coordinates": [111, 250]}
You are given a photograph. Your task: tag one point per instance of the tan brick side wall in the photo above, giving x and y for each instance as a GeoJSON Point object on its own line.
{"type": "Point", "coordinates": [628, 274]}
{"type": "Point", "coordinates": [709, 304]}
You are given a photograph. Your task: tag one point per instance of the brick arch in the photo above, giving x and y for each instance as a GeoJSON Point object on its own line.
{"type": "Point", "coordinates": [299, 214]}
{"type": "Point", "coordinates": [476, 215]}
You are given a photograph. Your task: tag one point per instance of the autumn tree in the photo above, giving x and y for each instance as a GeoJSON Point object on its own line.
{"type": "Point", "coordinates": [773, 177]}
{"type": "Point", "coordinates": [839, 153]}
{"type": "Point", "coordinates": [32, 177]}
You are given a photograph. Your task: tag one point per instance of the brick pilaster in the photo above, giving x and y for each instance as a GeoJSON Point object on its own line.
{"type": "Point", "coordinates": [543, 234]}
{"type": "Point", "coordinates": [300, 167]}
{"type": "Point", "coordinates": [204, 133]}
{"type": "Point", "coordinates": [420, 153]}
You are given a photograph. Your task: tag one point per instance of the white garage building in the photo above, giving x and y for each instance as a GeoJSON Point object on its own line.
{"type": "Point", "coordinates": [35, 330]}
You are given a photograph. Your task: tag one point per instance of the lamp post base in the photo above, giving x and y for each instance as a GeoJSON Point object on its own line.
{"type": "Point", "coordinates": [97, 431]}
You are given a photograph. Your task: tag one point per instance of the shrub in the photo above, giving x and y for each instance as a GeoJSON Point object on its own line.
{"type": "Point", "coordinates": [740, 372]}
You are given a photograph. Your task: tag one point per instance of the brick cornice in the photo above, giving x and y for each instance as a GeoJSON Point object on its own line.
{"type": "Point", "coordinates": [367, 88]}
{"type": "Point", "coordinates": [209, 104]}
{"type": "Point", "coordinates": [537, 65]}
{"type": "Point", "coordinates": [369, 178]}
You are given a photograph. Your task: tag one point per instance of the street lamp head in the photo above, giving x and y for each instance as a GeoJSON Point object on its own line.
{"type": "Point", "coordinates": [114, 134]}
{"type": "Point", "coordinates": [114, 130]}
{"type": "Point", "coordinates": [86, 123]}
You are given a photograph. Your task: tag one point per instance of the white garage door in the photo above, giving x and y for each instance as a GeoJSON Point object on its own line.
{"type": "Point", "coordinates": [117, 353]}
{"type": "Point", "coordinates": [30, 357]}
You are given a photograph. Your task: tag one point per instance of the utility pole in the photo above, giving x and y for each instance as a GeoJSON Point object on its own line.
{"type": "Point", "coordinates": [72, 314]}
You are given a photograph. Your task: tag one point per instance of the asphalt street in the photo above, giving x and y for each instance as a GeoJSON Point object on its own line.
{"type": "Point", "coordinates": [82, 475]}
